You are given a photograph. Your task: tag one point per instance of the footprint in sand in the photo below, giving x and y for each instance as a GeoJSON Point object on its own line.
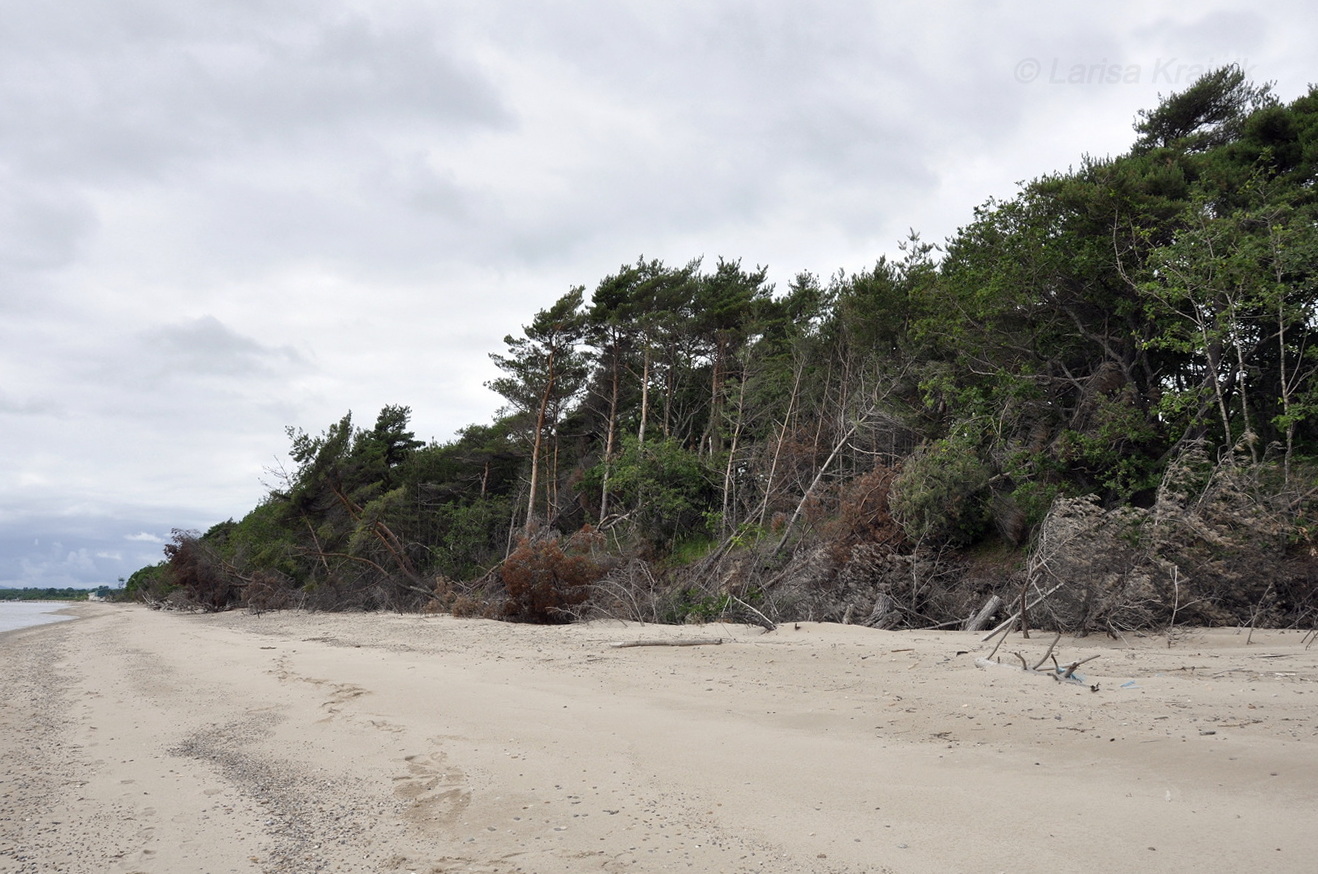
{"type": "Point", "coordinates": [343, 692]}
{"type": "Point", "coordinates": [437, 793]}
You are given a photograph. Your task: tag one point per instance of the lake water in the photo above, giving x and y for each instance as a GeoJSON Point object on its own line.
{"type": "Point", "coordinates": [22, 614]}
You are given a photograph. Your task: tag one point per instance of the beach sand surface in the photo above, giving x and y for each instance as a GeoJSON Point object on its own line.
{"type": "Point", "coordinates": [142, 741]}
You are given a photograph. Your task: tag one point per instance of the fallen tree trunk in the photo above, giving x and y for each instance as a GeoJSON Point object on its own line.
{"type": "Point", "coordinates": [882, 617]}
{"type": "Point", "coordinates": [980, 619]}
{"type": "Point", "coordinates": [695, 641]}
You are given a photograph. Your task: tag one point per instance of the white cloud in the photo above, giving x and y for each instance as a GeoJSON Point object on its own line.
{"type": "Point", "coordinates": [144, 537]}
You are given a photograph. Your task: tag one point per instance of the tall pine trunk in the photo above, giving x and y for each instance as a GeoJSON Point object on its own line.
{"type": "Point", "coordinates": [537, 441]}
{"type": "Point", "coordinates": [645, 396]}
{"type": "Point", "coordinates": [609, 436]}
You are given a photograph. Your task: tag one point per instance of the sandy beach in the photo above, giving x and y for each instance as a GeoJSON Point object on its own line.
{"type": "Point", "coordinates": [139, 741]}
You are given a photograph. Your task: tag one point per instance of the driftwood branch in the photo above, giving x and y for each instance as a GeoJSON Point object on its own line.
{"type": "Point", "coordinates": [694, 641]}
{"type": "Point", "coordinates": [763, 621]}
{"type": "Point", "coordinates": [1059, 674]}
{"type": "Point", "coordinates": [1007, 623]}
{"type": "Point", "coordinates": [1040, 662]}
{"type": "Point", "coordinates": [1066, 675]}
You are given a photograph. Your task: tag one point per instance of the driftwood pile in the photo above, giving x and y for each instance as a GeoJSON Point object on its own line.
{"type": "Point", "coordinates": [1059, 672]}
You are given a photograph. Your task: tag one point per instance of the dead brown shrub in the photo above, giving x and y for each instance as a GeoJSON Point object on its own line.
{"type": "Point", "coordinates": [546, 581]}
{"type": "Point", "coordinates": [266, 591]}
{"type": "Point", "coordinates": [471, 607]}
{"type": "Point", "coordinates": [863, 515]}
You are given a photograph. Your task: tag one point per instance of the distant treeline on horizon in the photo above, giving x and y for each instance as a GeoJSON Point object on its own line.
{"type": "Point", "coordinates": [51, 594]}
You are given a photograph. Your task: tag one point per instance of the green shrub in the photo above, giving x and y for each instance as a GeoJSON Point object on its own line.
{"type": "Point", "coordinates": [941, 493]}
{"type": "Point", "coordinates": [666, 488]}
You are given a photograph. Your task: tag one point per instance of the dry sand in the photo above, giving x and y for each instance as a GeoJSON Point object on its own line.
{"type": "Point", "coordinates": [137, 741]}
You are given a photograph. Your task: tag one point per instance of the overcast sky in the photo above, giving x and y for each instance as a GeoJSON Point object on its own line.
{"type": "Point", "coordinates": [222, 217]}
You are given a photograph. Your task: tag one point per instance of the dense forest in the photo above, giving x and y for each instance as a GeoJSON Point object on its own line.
{"type": "Point", "coordinates": [1096, 400]}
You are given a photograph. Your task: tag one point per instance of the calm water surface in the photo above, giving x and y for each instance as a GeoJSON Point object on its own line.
{"type": "Point", "coordinates": [21, 614]}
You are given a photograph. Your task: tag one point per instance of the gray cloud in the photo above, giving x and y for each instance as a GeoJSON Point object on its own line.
{"type": "Point", "coordinates": [206, 347]}
{"type": "Point", "coordinates": [41, 226]}
{"type": "Point", "coordinates": [99, 92]}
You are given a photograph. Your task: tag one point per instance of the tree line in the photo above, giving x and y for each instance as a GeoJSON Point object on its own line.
{"type": "Point", "coordinates": [50, 593]}
{"type": "Point", "coordinates": [1135, 336]}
